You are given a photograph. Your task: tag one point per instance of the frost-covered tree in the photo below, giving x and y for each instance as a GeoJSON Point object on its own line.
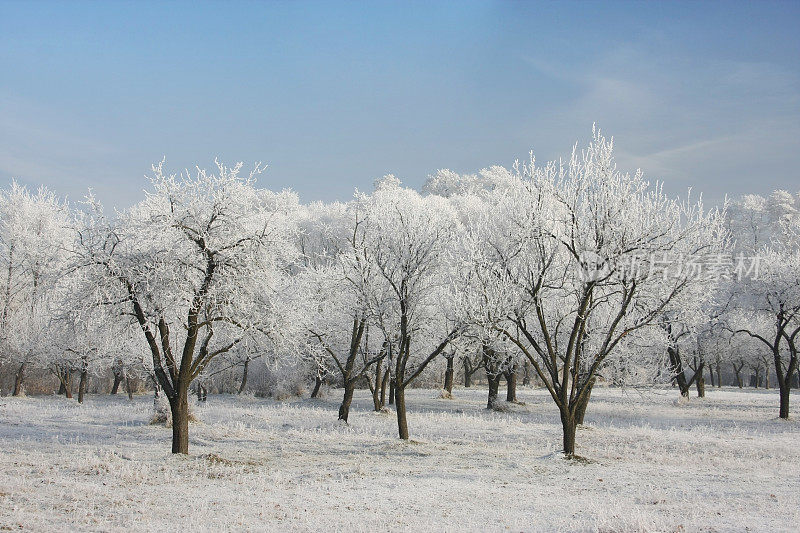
{"type": "Point", "coordinates": [768, 300]}
{"type": "Point", "coordinates": [408, 240]}
{"type": "Point", "coordinates": [771, 305]}
{"type": "Point", "coordinates": [739, 352]}
{"type": "Point", "coordinates": [574, 257]}
{"type": "Point", "coordinates": [34, 233]}
{"type": "Point", "coordinates": [756, 221]}
{"type": "Point", "coordinates": [341, 284]}
{"type": "Point", "coordinates": [199, 265]}
{"type": "Point", "coordinates": [693, 330]}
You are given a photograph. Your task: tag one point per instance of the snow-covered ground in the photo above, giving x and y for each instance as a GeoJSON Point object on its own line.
{"type": "Point", "coordinates": [723, 463]}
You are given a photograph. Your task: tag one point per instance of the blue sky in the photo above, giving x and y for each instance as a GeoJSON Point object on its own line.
{"type": "Point", "coordinates": [333, 95]}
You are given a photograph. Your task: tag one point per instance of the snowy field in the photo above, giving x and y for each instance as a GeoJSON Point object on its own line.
{"type": "Point", "coordinates": [723, 463]}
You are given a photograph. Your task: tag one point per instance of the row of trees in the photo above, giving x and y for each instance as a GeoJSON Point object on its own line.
{"type": "Point", "coordinates": [573, 270]}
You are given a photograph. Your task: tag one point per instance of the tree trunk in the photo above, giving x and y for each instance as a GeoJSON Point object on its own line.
{"type": "Point", "coordinates": [384, 385]}
{"type": "Point", "coordinates": [568, 427]}
{"type": "Point", "coordinates": [580, 409]}
{"type": "Point", "coordinates": [202, 392]}
{"type": "Point", "coordinates": [526, 379]}
{"type": "Point", "coordinates": [117, 381]}
{"type": "Point", "coordinates": [701, 387]}
{"type": "Point", "coordinates": [179, 405]}
{"type": "Point", "coordinates": [400, 404]}
{"type": "Point", "coordinates": [344, 408]}
{"type": "Point", "coordinates": [719, 376]}
{"type": "Point", "coordinates": [392, 391]}
{"type": "Point", "coordinates": [68, 384]}
{"type": "Point", "coordinates": [18, 380]}
{"type": "Point", "coordinates": [738, 373]}
{"type": "Point", "coordinates": [244, 376]}
{"type": "Point", "coordinates": [448, 376]}
{"type": "Point", "coordinates": [677, 369]}
{"type": "Point", "coordinates": [784, 392]}
{"type": "Point", "coordinates": [711, 375]}
{"type": "Point", "coordinates": [683, 386]}
{"type": "Point", "coordinates": [129, 387]}
{"type": "Point", "coordinates": [376, 388]}
{"type": "Point", "coordinates": [317, 387]}
{"type": "Point", "coordinates": [82, 385]}
{"type": "Point", "coordinates": [494, 386]}
{"type": "Point", "coordinates": [784, 377]}
{"type": "Point", "coordinates": [511, 386]}
{"type": "Point", "coordinates": [467, 373]}
{"type": "Point", "coordinates": [62, 387]}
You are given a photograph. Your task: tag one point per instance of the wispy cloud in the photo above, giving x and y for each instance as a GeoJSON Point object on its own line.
{"type": "Point", "coordinates": [719, 126]}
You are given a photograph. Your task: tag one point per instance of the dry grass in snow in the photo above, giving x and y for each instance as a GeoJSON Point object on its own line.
{"type": "Point", "coordinates": [723, 463]}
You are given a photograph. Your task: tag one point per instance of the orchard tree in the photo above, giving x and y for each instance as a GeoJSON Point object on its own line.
{"type": "Point", "coordinates": [341, 284]}
{"type": "Point", "coordinates": [34, 233]}
{"type": "Point", "coordinates": [756, 221]}
{"type": "Point", "coordinates": [576, 256]}
{"type": "Point", "coordinates": [73, 348]}
{"type": "Point", "coordinates": [680, 340]}
{"type": "Point", "coordinates": [408, 240]}
{"type": "Point", "coordinates": [768, 297]}
{"type": "Point", "coordinates": [771, 304]}
{"type": "Point", "coordinates": [199, 266]}
{"type": "Point", "coordinates": [498, 362]}
{"type": "Point", "coordinates": [743, 352]}
{"type": "Point", "coordinates": [693, 330]}
{"type": "Point", "coordinates": [340, 329]}
{"type": "Point", "coordinates": [128, 356]}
